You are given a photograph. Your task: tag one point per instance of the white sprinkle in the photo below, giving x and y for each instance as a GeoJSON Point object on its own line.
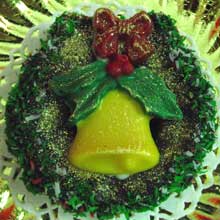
{"type": "Point", "coordinates": [32, 117]}
{"type": "Point", "coordinates": [188, 153]}
{"type": "Point", "coordinates": [171, 170]}
{"type": "Point", "coordinates": [164, 190]}
{"type": "Point", "coordinates": [57, 189]}
{"type": "Point", "coordinates": [61, 171]}
{"type": "Point", "coordinates": [197, 140]}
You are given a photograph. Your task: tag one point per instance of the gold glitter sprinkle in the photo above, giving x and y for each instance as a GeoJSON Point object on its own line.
{"type": "Point", "coordinates": [77, 50]}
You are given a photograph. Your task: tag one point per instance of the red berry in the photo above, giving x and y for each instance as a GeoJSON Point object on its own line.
{"type": "Point", "coordinates": [122, 58]}
{"type": "Point", "coordinates": [119, 65]}
{"type": "Point", "coordinates": [127, 68]}
{"type": "Point", "coordinates": [114, 68]}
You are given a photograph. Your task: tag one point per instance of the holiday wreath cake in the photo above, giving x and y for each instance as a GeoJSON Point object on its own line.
{"type": "Point", "coordinates": [112, 115]}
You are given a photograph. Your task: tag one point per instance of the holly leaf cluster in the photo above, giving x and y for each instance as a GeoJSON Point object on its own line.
{"type": "Point", "coordinates": [83, 88]}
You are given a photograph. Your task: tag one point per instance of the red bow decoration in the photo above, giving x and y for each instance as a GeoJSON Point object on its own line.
{"type": "Point", "coordinates": [134, 32]}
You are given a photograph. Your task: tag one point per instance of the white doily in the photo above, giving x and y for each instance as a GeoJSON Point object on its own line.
{"type": "Point", "coordinates": [173, 208]}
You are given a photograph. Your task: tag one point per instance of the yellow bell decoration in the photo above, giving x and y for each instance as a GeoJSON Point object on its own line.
{"type": "Point", "coordinates": [115, 139]}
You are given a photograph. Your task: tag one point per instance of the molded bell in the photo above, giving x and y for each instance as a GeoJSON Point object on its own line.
{"type": "Point", "coordinates": [115, 139]}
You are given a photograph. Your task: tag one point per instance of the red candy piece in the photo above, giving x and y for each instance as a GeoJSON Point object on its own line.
{"type": "Point", "coordinates": [36, 181]}
{"type": "Point", "coordinates": [203, 217]}
{"type": "Point", "coordinates": [32, 165]}
{"type": "Point", "coordinates": [217, 23]}
{"type": "Point", "coordinates": [64, 204]}
{"type": "Point", "coordinates": [215, 201]}
{"type": "Point", "coordinates": [119, 65]}
{"type": "Point", "coordinates": [92, 215]}
{"type": "Point", "coordinates": [7, 214]}
{"type": "Point", "coordinates": [215, 29]}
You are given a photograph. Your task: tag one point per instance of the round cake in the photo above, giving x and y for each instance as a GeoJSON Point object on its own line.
{"type": "Point", "coordinates": [114, 116]}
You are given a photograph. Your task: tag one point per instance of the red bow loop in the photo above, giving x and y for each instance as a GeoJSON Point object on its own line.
{"type": "Point", "coordinates": [106, 44]}
{"type": "Point", "coordinates": [104, 19]}
{"type": "Point", "coordinates": [139, 48]}
{"type": "Point", "coordinates": [140, 24]}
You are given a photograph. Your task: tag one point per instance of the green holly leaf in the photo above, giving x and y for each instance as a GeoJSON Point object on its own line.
{"type": "Point", "coordinates": [88, 100]}
{"type": "Point", "coordinates": [78, 79]}
{"type": "Point", "coordinates": [150, 90]}
{"type": "Point", "coordinates": [83, 89]}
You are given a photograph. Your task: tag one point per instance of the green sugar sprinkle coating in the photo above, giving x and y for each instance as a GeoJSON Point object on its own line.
{"type": "Point", "coordinates": [39, 136]}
